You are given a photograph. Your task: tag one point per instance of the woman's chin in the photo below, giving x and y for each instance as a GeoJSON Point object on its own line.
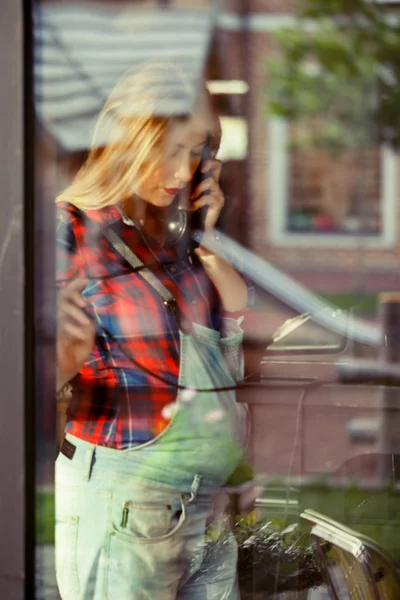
{"type": "Point", "coordinates": [161, 199]}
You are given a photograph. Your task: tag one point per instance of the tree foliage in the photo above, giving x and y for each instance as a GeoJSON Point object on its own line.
{"type": "Point", "coordinates": [340, 65]}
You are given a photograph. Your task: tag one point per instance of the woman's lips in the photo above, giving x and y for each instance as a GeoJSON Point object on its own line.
{"type": "Point", "coordinates": [172, 191]}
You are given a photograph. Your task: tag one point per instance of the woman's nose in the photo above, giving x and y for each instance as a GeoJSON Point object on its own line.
{"type": "Point", "coordinates": [183, 171]}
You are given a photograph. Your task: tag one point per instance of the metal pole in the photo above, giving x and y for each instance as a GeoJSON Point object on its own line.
{"type": "Point", "coordinates": [389, 439]}
{"type": "Point", "coordinates": [246, 197]}
{"type": "Point", "coordinates": [12, 330]}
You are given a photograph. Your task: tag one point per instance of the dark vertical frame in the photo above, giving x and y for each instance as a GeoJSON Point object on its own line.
{"type": "Point", "coordinates": [30, 305]}
{"type": "Point", "coordinates": [16, 349]}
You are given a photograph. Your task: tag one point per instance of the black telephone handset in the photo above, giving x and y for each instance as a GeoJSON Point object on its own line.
{"type": "Point", "coordinates": [182, 222]}
{"type": "Point", "coordinates": [197, 218]}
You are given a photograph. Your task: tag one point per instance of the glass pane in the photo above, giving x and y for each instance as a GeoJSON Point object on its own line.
{"type": "Point", "coordinates": [142, 110]}
{"type": "Point", "coordinates": [334, 194]}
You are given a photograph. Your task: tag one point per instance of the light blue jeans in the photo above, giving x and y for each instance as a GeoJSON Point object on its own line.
{"type": "Point", "coordinates": [134, 524]}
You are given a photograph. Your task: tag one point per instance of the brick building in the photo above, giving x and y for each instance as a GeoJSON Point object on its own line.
{"type": "Point", "coordinates": [350, 236]}
{"type": "Point", "coordinates": [302, 211]}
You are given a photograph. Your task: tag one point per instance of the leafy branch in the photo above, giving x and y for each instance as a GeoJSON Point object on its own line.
{"type": "Point", "coordinates": [342, 71]}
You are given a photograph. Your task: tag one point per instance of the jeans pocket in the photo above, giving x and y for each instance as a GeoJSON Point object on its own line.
{"type": "Point", "coordinates": [66, 535]}
{"type": "Point", "coordinates": [148, 522]}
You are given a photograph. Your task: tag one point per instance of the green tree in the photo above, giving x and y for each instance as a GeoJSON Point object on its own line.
{"type": "Point", "coordinates": [340, 66]}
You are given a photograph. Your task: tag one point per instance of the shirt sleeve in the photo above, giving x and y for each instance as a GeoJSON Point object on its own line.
{"type": "Point", "coordinates": [69, 263]}
{"type": "Point", "coordinates": [232, 347]}
{"type": "Point", "coordinates": [231, 324]}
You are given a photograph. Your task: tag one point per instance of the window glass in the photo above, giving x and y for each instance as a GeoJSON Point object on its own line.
{"type": "Point", "coordinates": [334, 194]}
{"type": "Point", "coordinates": [252, 378]}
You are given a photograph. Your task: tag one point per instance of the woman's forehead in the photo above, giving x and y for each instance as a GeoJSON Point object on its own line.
{"type": "Point", "coordinates": [192, 131]}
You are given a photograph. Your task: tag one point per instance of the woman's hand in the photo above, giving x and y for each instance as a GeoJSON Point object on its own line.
{"type": "Point", "coordinates": [208, 193]}
{"type": "Point", "coordinates": [75, 332]}
{"type": "Point", "coordinates": [229, 284]}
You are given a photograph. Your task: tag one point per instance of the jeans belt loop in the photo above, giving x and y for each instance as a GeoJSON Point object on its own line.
{"type": "Point", "coordinates": [87, 464]}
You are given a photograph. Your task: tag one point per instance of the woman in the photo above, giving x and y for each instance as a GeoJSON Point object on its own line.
{"type": "Point", "coordinates": [149, 340]}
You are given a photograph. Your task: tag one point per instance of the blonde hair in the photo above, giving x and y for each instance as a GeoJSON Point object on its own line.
{"type": "Point", "coordinates": [126, 144]}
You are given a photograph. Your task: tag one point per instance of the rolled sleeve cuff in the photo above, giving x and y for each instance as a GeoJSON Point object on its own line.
{"type": "Point", "coordinates": [231, 325]}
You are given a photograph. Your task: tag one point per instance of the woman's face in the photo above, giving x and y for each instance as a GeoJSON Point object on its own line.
{"type": "Point", "coordinates": [180, 157]}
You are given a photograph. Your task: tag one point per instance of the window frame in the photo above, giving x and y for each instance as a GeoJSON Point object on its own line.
{"type": "Point", "coordinates": [277, 199]}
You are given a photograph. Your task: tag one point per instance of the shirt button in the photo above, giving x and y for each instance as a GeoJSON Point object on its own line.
{"type": "Point", "coordinates": [172, 269]}
{"type": "Point", "coordinates": [194, 301]}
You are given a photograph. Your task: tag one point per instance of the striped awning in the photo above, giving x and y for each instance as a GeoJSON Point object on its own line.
{"type": "Point", "coordinates": [81, 51]}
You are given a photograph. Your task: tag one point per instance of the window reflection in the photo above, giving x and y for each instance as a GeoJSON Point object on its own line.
{"type": "Point", "coordinates": [315, 245]}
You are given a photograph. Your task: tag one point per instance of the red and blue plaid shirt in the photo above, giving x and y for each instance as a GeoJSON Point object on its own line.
{"type": "Point", "coordinates": [115, 402]}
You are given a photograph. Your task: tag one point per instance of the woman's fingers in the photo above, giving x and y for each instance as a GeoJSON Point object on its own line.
{"type": "Point", "coordinates": [71, 301]}
{"type": "Point", "coordinates": [73, 292]}
{"type": "Point", "coordinates": [208, 188]}
{"type": "Point", "coordinates": [209, 194]}
{"type": "Point", "coordinates": [76, 285]}
{"type": "Point", "coordinates": [72, 317]}
{"type": "Point", "coordinates": [75, 332]}
{"type": "Point", "coordinates": [71, 312]}
{"type": "Point", "coordinates": [214, 166]}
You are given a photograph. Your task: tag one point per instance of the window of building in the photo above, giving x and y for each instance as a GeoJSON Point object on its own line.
{"type": "Point", "coordinates": [322, 198]}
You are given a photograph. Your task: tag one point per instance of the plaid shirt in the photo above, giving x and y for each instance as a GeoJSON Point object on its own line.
{"type": "Point", "coordinates": [116, 402]}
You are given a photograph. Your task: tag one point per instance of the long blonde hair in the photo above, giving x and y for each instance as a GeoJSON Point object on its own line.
{"type": "Point", "coordinates": [126, 144]}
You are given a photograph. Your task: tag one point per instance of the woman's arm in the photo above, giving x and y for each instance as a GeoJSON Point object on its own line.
{"type": "Point", "coordinates": [230, 286]}
{"type": "Point", "coordinates": [233, 293]}
{"type": "Point", "coordinates": [75, 330]}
